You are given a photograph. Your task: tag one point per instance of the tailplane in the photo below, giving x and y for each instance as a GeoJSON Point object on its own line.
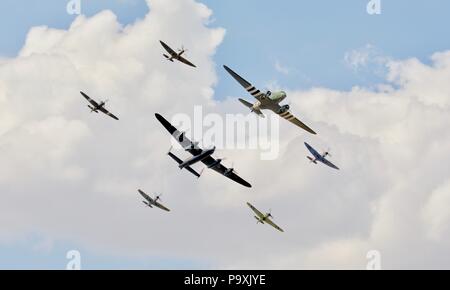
{"type": "Point", "coordinates": [188, 168]}
{"type": "Point", "coordinates": [312, 160]}
{"type": "Point", "coordinates": [168, 57]}
{"type": "Point", "coordinates": [250, 106]}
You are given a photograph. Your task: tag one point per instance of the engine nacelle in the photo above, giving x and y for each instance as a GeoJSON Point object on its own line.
{"type": "Point", "coordinates": [284, 109]}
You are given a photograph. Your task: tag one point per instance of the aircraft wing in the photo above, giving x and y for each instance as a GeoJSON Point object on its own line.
{"type": "Point", "coordinates": [257, 212]}
{"type": "Point", "coordinates": [268, 221]}
{"type": "Point", "coordinates": [248, 86]}
{"type": "Point", "coordinates": [328, 163]}
{"type": "Point", "coordinates": [167, 48]}
{"type": "Point", "coordinates": [192, 148]}
{"type": "Point", "coordinates": [144, 195]}
{"type": "Point", "coordinates": [185, 61]}
{"type": "Point", "coordinates": [180, 137]}
{"type": "Point", "coordinates": [208, 161]}
{"type": "Point", "coordinates": [291, 118]}
{"type": "Point", "coordinates": [94, 103]}
{"type": "Point", "coordinates": [313, 151]}
{"type": "Point", "coordinates": [157, 204]}
{"type": "Point", "coordinates": [105, 111]}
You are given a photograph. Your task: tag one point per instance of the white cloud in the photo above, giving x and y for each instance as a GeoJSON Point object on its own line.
{"type": "Point", "coordinates": [281, 68]}
{"type": "Point", "coordinates": [367, 58]}
{"type": "Point", "coordinates": [70, 175]}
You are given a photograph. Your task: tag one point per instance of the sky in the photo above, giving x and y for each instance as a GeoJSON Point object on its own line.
{"type": "Point", "coordinates": [374, 86]}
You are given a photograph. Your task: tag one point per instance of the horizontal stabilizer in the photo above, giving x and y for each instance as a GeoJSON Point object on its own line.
{"type": "Point", "coordinates": [245, 103]}
{"type": "Point", "coordinates": [311, 159]}
{"type": "Point", "coordinates": [250, 105]}
{"type": "Point", "coordinates": [179, 161]}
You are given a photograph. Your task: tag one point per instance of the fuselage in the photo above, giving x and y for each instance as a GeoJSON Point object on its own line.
{"type": "Point", "coordinates": [277, 96]}
{"type": "Point", "coordinates": [96, 108]}
{"type": "Point", "coordinates": [264, 218]}
{"type": "Point", "coordinates": [197, 158]}
{"type": "Point", "coordinates": [270, 100]}
{"type": "Point", "coordinates": [176, 55]}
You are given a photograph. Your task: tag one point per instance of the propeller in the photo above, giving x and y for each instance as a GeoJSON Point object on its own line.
{"type": "Point", "coordinates": [231, 169]}
{"type": "Point", "coordinates": [327, 152]}
{"type": "Point", "coordinates": [182, 49]}
{"type": "Point", "coordinates": [201, 172]}
{"type": "Point", "coordinates": [158, 197]}
{"type": "Point", "coordinates": [267, 92]}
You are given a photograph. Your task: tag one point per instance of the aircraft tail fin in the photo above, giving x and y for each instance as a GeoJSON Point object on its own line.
{"type": "Point", "coordinates": [312, 160]}
{"type": "Point", "coordinates": [168, 57]}
{"type": "Point", "coordinates": [179, 161]}
{"type": "Point", "coordinates": [250, 105]}
{"type": "Point", "coordinates": [92, 109]}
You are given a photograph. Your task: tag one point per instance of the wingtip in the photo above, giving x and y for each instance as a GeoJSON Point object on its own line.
{"type": "Point", "coordinates": [227, 68]}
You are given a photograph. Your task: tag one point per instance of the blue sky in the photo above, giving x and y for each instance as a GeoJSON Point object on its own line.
{"type": "Point", "coordinates": [309, 38]}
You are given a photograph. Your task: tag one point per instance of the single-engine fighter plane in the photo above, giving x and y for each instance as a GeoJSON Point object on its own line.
{"type": "Point", "coordinates": [268, 100]}
{"type": "Point", "coordinates": [320, 157]}
{"type": "Point", "coordinates": [264, 218]}
{"type": "Point", "coordinates": [175, 55]}
{"type": "Point", "coordinates": [199, 155]}
{"type": "Point", "coordinates": [151, 202]}
{"type": "Point", "coordinates": [95, 107]}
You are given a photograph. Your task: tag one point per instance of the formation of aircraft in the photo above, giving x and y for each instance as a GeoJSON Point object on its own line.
{"type": "Point", "coordinates": [198, 155]}
{"type": "Point", "coordinates": [267, 101]}
{"type": "Point", "coordinates": [176, 55]}
{"type": "Point", "coordinates": [320, 157]}
{"type": "Point", "coordinates": [96, 107]}
{"type": "Point", "coordinates": [264, 218]}
{"type": "Point", "coordinates": [264, 101]}
{"type": "Point", "coordinates": [151, 202]}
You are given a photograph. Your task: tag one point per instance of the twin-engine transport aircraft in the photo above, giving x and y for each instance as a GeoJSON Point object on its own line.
{"type": "Point", "coordinates": [98, 106]}
{"type": "Point", "coordinates": [199, 155]}
{"type": "Point", "coordinates": [264, 218]}
{"type": "Point", "coordinates": [269, 100]}
{"type": "Point", "coordinates": [175, 55]}
{"type": "Point", "coordinates": [150, 202]}
{"type": "Point", "coordinates": [320, 157]}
